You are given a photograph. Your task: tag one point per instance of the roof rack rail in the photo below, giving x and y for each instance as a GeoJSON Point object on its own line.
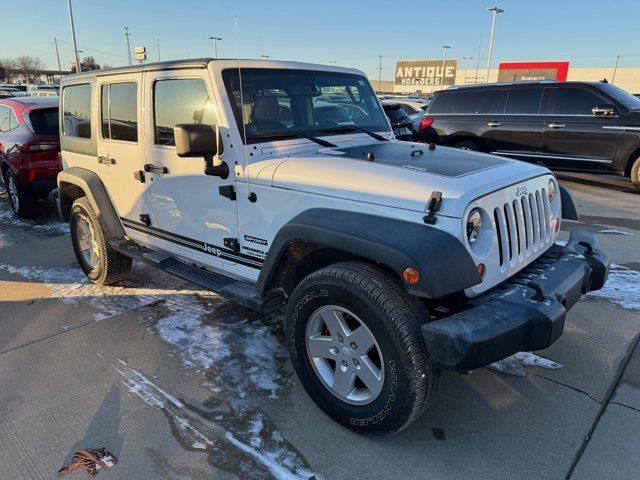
{"type": "Point", "coordinates": [501, 84]}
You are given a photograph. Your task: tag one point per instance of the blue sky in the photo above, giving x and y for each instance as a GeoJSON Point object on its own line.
{"type": "Point", "coordinates": [352, 33]}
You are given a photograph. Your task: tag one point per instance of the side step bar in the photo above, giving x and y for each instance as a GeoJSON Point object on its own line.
{"type": "Point", "coordinates": [236, 291]}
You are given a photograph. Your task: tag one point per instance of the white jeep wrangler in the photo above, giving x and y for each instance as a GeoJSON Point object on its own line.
{"type": "Point", "coordinates": [272, 182]}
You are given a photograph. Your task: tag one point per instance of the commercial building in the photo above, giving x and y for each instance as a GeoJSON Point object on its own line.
{"type": "Point", "coordinates": [429, 75]}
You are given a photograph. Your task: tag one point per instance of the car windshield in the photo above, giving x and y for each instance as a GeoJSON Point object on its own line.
{"type": "Point", "coordinates": [44, 122]}
{"type": "Point", "coordinates": [625, 98]}
{"type": "Point", "coordinates": [281, 103]}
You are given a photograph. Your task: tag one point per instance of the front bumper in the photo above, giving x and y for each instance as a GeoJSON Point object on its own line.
{"type": "Point", "coordinates": [524, 313]}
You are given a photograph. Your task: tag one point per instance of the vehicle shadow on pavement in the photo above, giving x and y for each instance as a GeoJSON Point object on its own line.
{"type": "Point", "coordinates": [618, 184]}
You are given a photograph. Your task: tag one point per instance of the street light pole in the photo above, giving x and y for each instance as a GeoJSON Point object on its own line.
{"type": "Point", "coordinates": [444, 59]}
{"type": "Point", "coordinates": [215, 45]}
{"type": "Point", "coordinates": [615, 69]}
{"type": "Point", "coordinates": [466, 62]}
{"type": "Point", "coordinates": [73, 36]}
{"type": "Point", "coordinates": [380, 73]}
{"type": "Point", "coordinates": [495, 11]}
{"type": "Point", "coordinates": [158, 43]}
{"type": "Point", "coordinates": [126, 34]}
{"type": "Point", "coordinates": [55, 41]}
{"type": "Point", "coordinates": [264, 57]}
{"type": "Point", "coordinates": [478, 59]}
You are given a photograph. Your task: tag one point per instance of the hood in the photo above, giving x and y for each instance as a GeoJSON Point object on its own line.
{"type": "Point", "coordinates": [400, 174]}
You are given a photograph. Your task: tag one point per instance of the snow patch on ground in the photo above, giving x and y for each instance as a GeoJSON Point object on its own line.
{"type": "Point", "coordinates": [622, 288]}
{"type": "Point", "coordinates": [514, 365]}
{"type": "Point", "coordinates": [280, 462]}
{"type": "Point", "coordinates": [49, 225]}
{"type": "Point", "coordinates": [613, 231]}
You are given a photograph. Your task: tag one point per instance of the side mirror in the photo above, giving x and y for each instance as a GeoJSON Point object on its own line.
{"type": "Point", "coordinates": [198, 140]}
{"type": "Point", "coordinates": [604, 111]}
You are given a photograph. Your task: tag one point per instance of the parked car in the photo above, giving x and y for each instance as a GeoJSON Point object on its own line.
{"type": "Point", "coordinates": [576, 126]}
{"type": "Point", "coordinates": [411, 105]}
{"type": "Point", "coordinates": [29, 148]}
{"type": "Point", "coordinates": [401, 123]}
{"type": "Point", "coordinates": [393, 261]}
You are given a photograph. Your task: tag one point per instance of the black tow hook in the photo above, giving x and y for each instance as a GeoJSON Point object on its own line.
{"type": "Point", "coordinates": [539, 296]}
{"type": "Point", "coordinates": [589, 248]}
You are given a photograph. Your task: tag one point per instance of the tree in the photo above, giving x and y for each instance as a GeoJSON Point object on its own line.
{"type": "Point", "coordinates": [86, 64]}
{"type": "Point", "coordinates": [28, 69]}
{"type": "Point", "coordinates": [7, 70]}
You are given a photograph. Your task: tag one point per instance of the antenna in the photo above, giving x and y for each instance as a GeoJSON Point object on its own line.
{"type": "Point", "coordinates": [252, 195]}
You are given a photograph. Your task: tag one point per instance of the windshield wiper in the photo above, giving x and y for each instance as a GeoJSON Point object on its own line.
{"type": "Point", "coordinates": [283, 135]}
{"type": "Point", "coordinates": [352, 128]}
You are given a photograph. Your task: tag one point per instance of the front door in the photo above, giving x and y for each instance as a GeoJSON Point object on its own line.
{"type": "Point", "coordinates": [574, 138]}
{"type": "Point", "coordinates": [120, 154]}
{"type": "Point", "coordinates": [187, 212]}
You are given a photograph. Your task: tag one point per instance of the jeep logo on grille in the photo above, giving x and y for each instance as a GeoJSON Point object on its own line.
{"type": "Point", "coordinates": [521, 190]}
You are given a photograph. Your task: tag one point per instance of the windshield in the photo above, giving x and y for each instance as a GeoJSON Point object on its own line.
{"type": "Point", "coordinates": [281, 103]}
{"type": "Point", "coordinates": [625, 98]}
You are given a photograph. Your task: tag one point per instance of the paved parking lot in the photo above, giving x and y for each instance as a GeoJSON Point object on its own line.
{"type": "Point", "coordinates": [178, 383]}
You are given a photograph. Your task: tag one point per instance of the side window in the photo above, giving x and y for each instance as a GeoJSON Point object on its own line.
{"type": "Point", "coordinates": [524, 101]}
{"type": "Point", "coordinates": [13, 121]}
{"type": "Point", "coordinates": [466, 102]}
{"type": "Point", "coordinates": [498, 102]}
{"type": "Point", "coordinates": [575, 101]}
{"type": "Point", "coordinates": [119, 117]}
{"type": "Point", "coordinates": [5, 113]}
{"type": "Point", "coordinates": [409, 109]}
{"type": "Point", "coordinates": [180, 101]}
{"type": "Point", "coordinates": [77, 111]}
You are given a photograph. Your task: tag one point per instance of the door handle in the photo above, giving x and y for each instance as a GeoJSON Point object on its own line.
{"type": "Point", "coordinates": [557, 125]}
{"type": "Point", "coordinates": [106, 160]}
{"type": "Point", "coordinates": [494, 124]}
{"type": "Point", "coordinates": [155, 168]}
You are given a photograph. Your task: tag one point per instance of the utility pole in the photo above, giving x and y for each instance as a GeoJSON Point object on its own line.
{"type": "Point", "coordinates": [380, 74]}
{"type": "Point", "coordinates": [264, 57]}
{"type": "Point", "coordinates": [55, 42]}
{"type": "Point", "coordinates": [478, 59]}
{"type": "Point", "coordinates": [495, 11]}
{"type": "Point", "coordinates": [215, 45]}
{"type": "Point", "coordinates": [466, 61]}
{"type": "Point", "coordinates": [73, 36]}
{"type": "Point", "coordinates": [127, 34]}
{"type": "Point", "coordinates": [615, 69]}
{"type": "Point", "coordinates": [158, 43]}
{"type": "Point", "coordinates": [444, 59]}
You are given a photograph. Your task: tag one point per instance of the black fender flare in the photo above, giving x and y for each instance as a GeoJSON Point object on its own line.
{"type": "Point", "coordinates": [95, 191]}
{"type": "Point", "coordinates": [569, 209]}
{"type": "Point", "coordinates": [444, 264]}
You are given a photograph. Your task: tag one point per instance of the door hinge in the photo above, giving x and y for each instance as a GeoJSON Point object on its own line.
{"type": "Point", "coordinates": [232, 244]}
{"type": "Point", "coordinates": [227, 191]}
{"type": "Point", "coordinates": [435, 202]}
{"type": "Point", "coordinates": [139, 175]}
{"type": "Point", "coordinates": [145, 218]}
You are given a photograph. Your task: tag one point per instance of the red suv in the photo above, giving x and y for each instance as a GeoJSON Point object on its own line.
{"type": "Point", "coordinates": [29, 148]}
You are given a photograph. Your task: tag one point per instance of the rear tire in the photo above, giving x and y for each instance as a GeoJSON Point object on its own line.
{"type": "Point", "coordinates": [101, 264]}
{"type": "Point", "coordinates": [390, 346]}
{"type": "Point", "coordinates": [466, 145]}
{"type": "Point", "coordinates": [22, 204]}
{"type": "Point", "coordinates": [635, 174]}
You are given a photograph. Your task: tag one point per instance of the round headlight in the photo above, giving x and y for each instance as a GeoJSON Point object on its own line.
{"type": "Point", "coordinates": [474, 222]}
{"type": "Point", "coordinates": [551, 191]}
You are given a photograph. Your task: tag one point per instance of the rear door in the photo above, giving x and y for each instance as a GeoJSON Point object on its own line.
{"type": "Point", "coordinates": [518, 131]}
{"type": "Point", "coordinates": [120, 154]}
{"type": "Point", "coordinates": [574, 138]}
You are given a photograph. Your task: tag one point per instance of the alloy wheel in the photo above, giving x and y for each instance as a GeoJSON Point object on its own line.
{"type": "Point", "coordinates": [13, 192]}
{"type": "Point", "coordinates": [86, 241]}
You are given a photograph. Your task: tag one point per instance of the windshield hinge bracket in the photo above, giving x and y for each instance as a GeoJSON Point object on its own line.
{"type": "Point", "coordinates": [228, 191]}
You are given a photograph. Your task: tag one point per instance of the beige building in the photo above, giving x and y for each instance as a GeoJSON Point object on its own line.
{"type": "Point", "coordinates": [626, 78]}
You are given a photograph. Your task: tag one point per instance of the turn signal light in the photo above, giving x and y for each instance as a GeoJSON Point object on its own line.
{"type": "Point", "coordinates": [481, 270]}
{"type": "Point", "coordinates": [410, 275]}
{"type": "Point", "coordinates": [425, 122]}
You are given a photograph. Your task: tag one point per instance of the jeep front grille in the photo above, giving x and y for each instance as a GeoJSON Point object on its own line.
{"type": "Point", "coordinates": [523, 227]}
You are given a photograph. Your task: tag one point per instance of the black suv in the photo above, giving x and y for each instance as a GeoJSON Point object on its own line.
{"type": "Point", "coordinates": [592, 127]}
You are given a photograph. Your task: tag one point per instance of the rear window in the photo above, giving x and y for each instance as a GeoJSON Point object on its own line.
{"type": "Point", "coordinates": [44, 122]}
{"type": "Point", "coordinates": [469, 102]}
{"type": "Point", "coordinates": [119, 116]}
{"type": "Point", "coordinates": [397, 114]}
{"type": "Point", "coordinates": [77, 111]}
{"type": "Point", "coordinates": [524, 101]}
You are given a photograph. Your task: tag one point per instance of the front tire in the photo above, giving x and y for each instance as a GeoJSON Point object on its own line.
{"type": "Point", "coordinates": [22, 204]}
{"type": "Point", "coordinates": [467, 145]}
{"type": "Point", "coordinates": [635, 174]}
{"type": "Point", "coordinates": [355, 342]}
{"type": "Point", "coordinates": [101, 264]}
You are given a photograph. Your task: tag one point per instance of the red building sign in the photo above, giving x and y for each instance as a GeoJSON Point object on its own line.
{"type": "Point", "coordinates": [523, 71]}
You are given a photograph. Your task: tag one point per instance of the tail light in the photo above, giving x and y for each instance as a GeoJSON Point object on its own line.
{"type": "Point", "coordinates": [425, 122]}
{"type": "Point", "coordinates": [36, 147]}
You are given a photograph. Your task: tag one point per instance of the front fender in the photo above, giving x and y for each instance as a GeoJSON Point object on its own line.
{"type": "Point", "coordinates": [444, 264]}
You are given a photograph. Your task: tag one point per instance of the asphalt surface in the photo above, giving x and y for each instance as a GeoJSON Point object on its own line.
{"type": "Point", "coordinates": [178, 383]}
